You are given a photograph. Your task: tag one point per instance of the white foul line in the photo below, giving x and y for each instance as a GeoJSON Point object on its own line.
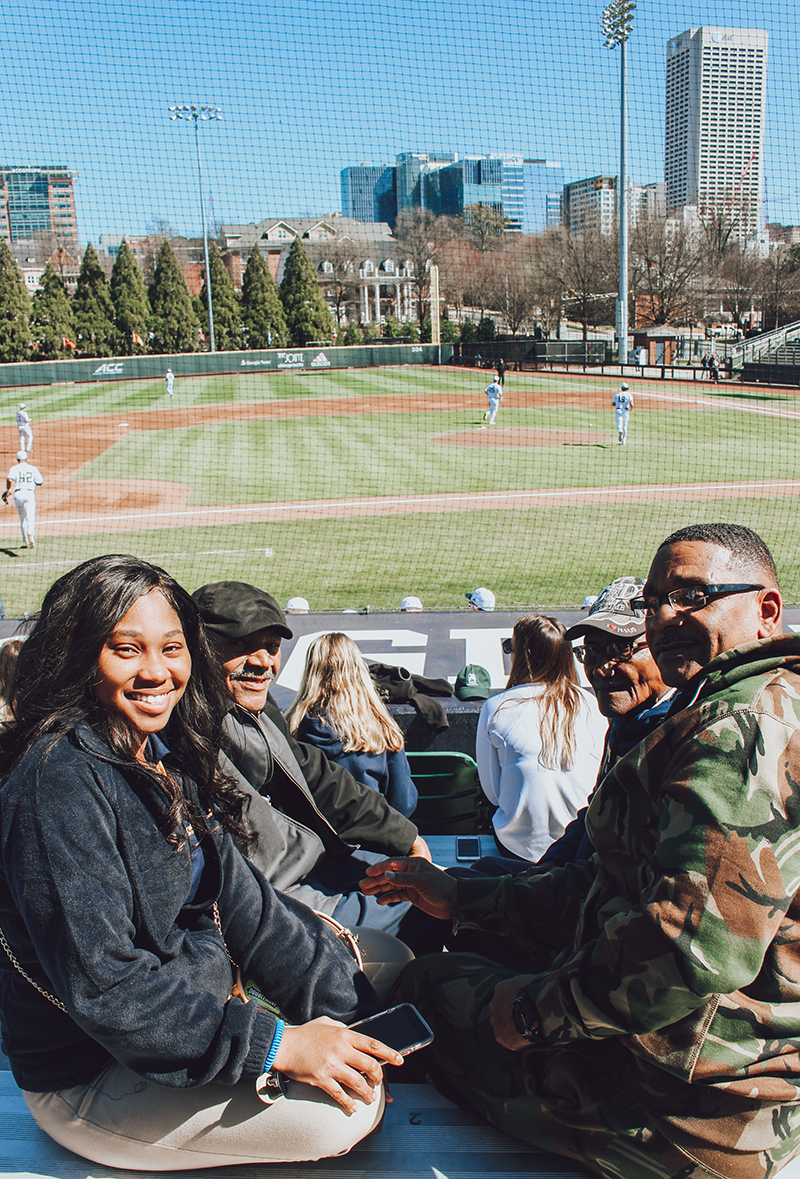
{"type": "Point", "coordinates": [475, 498]}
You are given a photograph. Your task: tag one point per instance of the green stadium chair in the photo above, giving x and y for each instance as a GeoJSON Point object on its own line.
{"type": "Point", "coordinates": [450, 798]}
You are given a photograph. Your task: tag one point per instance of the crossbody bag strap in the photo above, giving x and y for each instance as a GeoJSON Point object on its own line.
{"type": "Point", "coordinates": [46, 994]}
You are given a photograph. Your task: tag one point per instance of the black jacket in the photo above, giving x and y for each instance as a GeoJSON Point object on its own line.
{"type": "Point", "coordinates": [92, 904]}
{"type": "Point", "coordinates": [303, 806]}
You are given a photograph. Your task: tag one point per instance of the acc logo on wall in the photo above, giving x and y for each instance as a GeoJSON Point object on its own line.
{"type": "Point", "coordinates": [109, 370]}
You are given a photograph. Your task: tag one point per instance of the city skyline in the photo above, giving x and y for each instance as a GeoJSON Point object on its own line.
{"type": "Point", "coordinates": [308, 90]}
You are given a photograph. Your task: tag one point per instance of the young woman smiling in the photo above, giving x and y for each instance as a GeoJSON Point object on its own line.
{"type": "Point", "coordinates": [122, 896]}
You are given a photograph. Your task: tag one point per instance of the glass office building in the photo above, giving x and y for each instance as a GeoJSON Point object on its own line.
{"type": "Point", "coordinates": [369, 192]}
{"type": "Point", "coordinates": [543, 186]}
{"type": "Point", "coordinates": [35, 201]}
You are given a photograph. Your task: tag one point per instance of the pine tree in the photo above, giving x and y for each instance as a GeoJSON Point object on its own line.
{"type": "Point", "coordinates": [175, 326]}
{"type": "Point", "coordinates": [93, 309]}
{"type": "Point", "coordinates": [131, 309]}
{"type": "Point", "coordinates": [15, 307]}
{"type": "Point", "coordinates": [307, 314]}
{"type": "Point", "coordinates": [226, 307]}
{"type": "Point", "coordinates": [262, 310]}
{"type": "Point", "coordinates": [353, 334]}
{"type": "Point", "coordinates": [52, 320]}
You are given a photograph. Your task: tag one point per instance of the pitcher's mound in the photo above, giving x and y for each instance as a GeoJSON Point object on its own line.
{"type": "Point", "coordinates": [525, 437]}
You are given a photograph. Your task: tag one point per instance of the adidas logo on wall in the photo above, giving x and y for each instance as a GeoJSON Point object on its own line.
{"type": "Point", "coordinates": [320, 361]}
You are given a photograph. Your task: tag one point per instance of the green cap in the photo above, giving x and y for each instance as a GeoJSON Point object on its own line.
{"type": "Point", "coordinates": [473, 682]}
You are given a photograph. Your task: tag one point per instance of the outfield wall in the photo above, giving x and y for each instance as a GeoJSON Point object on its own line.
{"type": "Point", "coordinates": [202, 364]}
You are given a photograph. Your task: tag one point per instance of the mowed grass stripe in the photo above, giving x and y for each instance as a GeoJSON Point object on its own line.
{"type": "Point", "coordinates": [91, 399]}
{"type": "Point", "coordinates": [273, 460]}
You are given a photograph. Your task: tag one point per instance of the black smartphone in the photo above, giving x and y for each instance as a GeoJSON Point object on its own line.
{"type": "Point", "coordinates": [401, 1028]}
{"type": "Point", "coordinates": [468, 847]}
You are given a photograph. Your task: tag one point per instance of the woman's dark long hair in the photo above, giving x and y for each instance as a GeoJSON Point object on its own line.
{"type": "Point", "coordinates": [52, 690]}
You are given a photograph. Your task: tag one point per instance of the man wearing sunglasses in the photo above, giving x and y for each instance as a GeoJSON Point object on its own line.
{"type": "Point", "coordinates": [663, 1039]}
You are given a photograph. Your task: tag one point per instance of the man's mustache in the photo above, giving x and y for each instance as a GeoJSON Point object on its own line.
{"type": "Point", "coordinates": [253, 673]}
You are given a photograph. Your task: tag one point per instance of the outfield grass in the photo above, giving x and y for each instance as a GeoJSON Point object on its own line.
{"type": "Point", "coordinates": [536, 557]}
{"type": "Point", "coordinates": [529, 558]}
{"type": "Point", "coordinates": [404, 454]}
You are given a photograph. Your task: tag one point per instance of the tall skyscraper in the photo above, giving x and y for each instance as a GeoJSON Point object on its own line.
{"type": "Point", "coordinates": [714, 130]}
{"type": "Point", "coordinates": [369, 192]}
{"type": "Point", "coordinates": [38, 201]}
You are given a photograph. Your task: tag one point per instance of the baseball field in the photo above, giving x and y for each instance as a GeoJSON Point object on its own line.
{"type": "Point", "coordinates": [355, 487]}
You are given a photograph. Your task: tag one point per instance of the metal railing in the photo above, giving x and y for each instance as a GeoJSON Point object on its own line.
{"type": "Point", "coordinates": [755, 350]}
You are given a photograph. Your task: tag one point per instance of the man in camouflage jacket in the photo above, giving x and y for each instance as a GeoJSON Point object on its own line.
{"type": "Point", "coordinates": [664, 1038]}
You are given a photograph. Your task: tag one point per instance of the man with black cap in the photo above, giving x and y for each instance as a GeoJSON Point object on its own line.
{"type": "Point", "coordinates": [310, 814]}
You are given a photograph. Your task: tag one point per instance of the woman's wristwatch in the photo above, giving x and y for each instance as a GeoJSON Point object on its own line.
{"type": "Point", "coordinates": [270, 1085]}
{"type": "Point", "coordinates": [526, 1017]}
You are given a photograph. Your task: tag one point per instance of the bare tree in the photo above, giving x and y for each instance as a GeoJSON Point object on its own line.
{"type": "Point", "coordinates": [340, 260]}
{"type": "Point", "coordinates": [422, 237]}
{"type": "Point", "coordinates": [738, 276]}
{"type": "Point", "coordinates": [548, 261]}
{"type": "Point", "coordinates": [457, 261]}
{"type": "Point", "coordinates": [513, 282]}
{"type": "Point", "coordinates": [664, 260]}
{"type": "Point", "coordinates": [485, 227]}
{"type": "Point", "coordinates": [724, 222]}
{"type": "Point", "coordinates": [780, 287]}
{"type": "Point", "coordinates": [587, 272]}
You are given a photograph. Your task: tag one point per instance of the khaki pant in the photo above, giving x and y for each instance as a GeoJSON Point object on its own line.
{"type": "Point", "coordinates": [120, 1120]}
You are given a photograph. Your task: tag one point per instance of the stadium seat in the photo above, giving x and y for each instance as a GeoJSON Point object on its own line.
{"type": "Point", "coordinates": [450, 798]}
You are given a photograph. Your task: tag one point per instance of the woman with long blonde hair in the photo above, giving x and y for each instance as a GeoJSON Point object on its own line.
{"type": "Point", "coordinates": [539, 742]}
{"type": "Point", "coordinates": [338, 709]}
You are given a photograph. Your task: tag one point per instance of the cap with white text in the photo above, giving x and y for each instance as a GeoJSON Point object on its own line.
{"type": "Point", "coordinates": [613, 612]}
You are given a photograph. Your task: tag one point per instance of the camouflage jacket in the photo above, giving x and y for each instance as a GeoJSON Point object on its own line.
{"type": "Point", "coordinates": [680, 939]}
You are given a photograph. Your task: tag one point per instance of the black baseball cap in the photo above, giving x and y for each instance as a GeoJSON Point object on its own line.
{"type": "Point", "coordinates": [612, 612]}
{"type": "Point", "coordinates": [235, 609]}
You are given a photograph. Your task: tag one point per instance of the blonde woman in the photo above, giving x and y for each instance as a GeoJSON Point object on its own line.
{"type": "Point", "coordinates": [338, 709]}
{"type": "Point", "coordinates": [539, 742]}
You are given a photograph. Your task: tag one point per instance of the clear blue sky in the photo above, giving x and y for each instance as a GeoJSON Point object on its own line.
{"type": "Point", "coordinates": [309, 87]}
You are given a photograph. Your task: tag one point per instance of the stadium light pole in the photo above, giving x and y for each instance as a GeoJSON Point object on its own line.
{"type": "Point", "coordinates": [617, 27]}
{"type": "Point", "coordinates": [200, 114]}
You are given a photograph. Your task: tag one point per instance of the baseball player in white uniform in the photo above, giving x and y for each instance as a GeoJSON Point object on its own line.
{"type": "Point", "coordinates": [623, 404]}
{"type": "Point", "coordinates": [494, 393]}
{"type": "Point", "coordinates": [22, 481]}
{"type": "Point", "coordinates": [170, 380]}
{"type": "Point", "coordinates": [24, 427]}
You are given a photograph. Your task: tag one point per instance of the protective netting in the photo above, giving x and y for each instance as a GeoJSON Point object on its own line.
{"type": "Point", "coordinates": [492, 135]}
